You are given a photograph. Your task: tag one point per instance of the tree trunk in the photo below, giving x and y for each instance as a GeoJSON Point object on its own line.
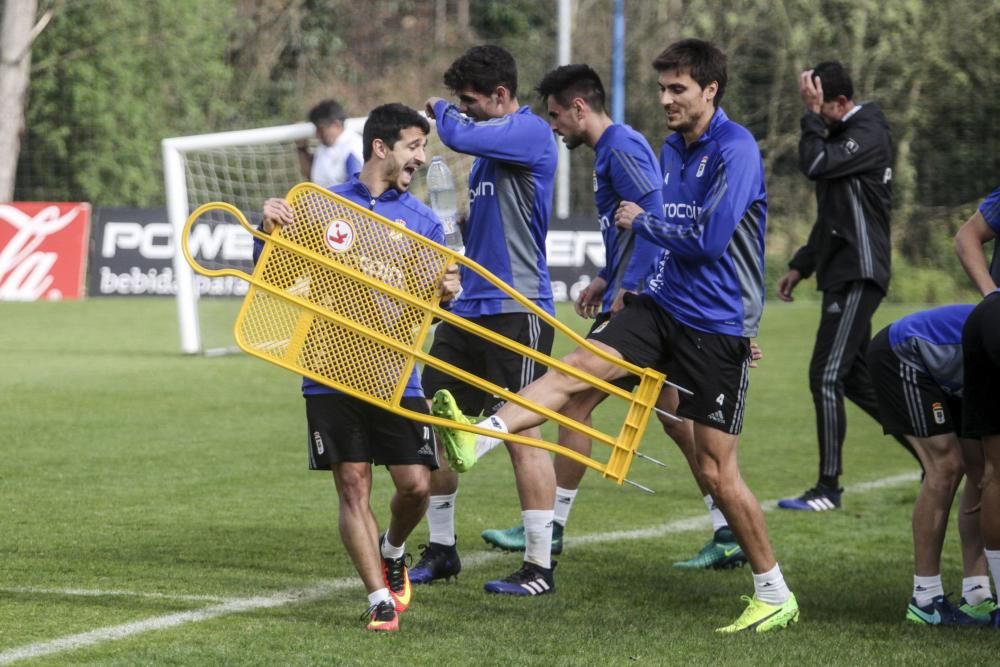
{"type": "Point", "coordinates": [15, 63]}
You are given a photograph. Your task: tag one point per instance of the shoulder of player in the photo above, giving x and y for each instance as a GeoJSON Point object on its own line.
{"type": "Point", "coordinates": [417, 211]}
{"type": "Point", "coordinates": [735, 143]}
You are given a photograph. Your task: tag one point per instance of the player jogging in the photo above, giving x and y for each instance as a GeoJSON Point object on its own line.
{"type": "Point", "coordinates": [347, 435]}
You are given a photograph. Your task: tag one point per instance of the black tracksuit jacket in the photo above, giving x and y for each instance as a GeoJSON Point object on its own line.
{"type": "Point", "coordinates": [852, 166]}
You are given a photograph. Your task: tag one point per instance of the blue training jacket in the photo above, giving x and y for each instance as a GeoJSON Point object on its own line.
{"type": "Point", "coordinates": [931, 342]}
{"type": "Point", "coordinates": [510, 200]}
{"type": "Point", "coordinates": [990, 210]}
{"type": "Point", "coordinates": [625, 169]}
{"type": "Point", "coordinates": [394, 205]}
{"type": "Point", "coordinates": [714, 210]}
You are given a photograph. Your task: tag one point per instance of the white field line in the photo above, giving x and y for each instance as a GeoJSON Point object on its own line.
{"type": "Point", "coordinates": [97, 592]}
{"type": "Point", "coordinates": [239, 605]}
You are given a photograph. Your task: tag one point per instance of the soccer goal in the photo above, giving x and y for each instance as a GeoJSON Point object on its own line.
{"type": "Point", "coordinates": [242, 168]}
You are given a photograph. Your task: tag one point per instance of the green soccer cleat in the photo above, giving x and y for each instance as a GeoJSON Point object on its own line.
{"type": "Point", "coordinates": [722, 552]}
{"type": "Point", "coordinates": [763, 617]}
{"type": "Point", "coordinates": [981, 613]}
{"type": "Point", "coordinates": [459, 446]}
{"type": "Point", "coordinates": [512, 539]}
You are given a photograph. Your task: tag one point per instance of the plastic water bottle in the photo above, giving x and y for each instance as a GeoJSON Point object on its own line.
{"type": "Point", "coordinates": [441, 192]}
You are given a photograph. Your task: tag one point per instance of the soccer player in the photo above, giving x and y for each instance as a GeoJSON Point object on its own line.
{"type": "Point", "coordinates": [846, 148]}
{"type": "Point", "coordinates": [916, 368]}
{"type": "Point", "coordinates": [696, 316]}
{"type": "Point", "coordinates": [338, 156]}
{"type": "Point", "coordinates": [981, 355]}
{"type": "Point", "coordinates": [345, 434]}
{"type": "Point", "coordinates": [625, 169]}
{"type": "Point", "coordinates": [510, 192]}
{"type": "Point", "coordinates": [981, 228]}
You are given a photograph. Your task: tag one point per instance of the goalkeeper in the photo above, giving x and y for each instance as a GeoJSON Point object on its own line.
{"type": "Point", "coordinates": [345, 434]}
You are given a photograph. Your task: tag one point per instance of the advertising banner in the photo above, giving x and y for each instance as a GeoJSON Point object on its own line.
{"type": "Point", "coordinates": [133, 254]}
{"type": "Point", "coordinates": [43, 250]}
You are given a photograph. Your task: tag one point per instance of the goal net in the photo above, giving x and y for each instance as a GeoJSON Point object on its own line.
{"type": "Point", "coordinates": [242, 168]}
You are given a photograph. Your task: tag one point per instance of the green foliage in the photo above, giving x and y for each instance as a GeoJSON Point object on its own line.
{"type": "Point", "coordinates": [112, 78]}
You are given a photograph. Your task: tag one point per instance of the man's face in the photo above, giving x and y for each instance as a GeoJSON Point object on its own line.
{"type": "Point", "coordinates": [405, 157]}
{"type": "Point", "coordinates": [327, 134]}
{"type": "Point", "coordinates": [684, 101]}
{"type": "Point", "coordinates": [565, 122]}
{"type": "Point", "coordinates": [833, 111]}
{"type": "Point", "coordinates": [478, 106]}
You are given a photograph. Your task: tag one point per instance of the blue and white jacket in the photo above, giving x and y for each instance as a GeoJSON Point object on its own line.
{"type": "Point", "coordinates": [714, 210]}
{"type": "Point", "coordinates": [510, 200]}
{"type": "Point", "coordinates": [625, 169]}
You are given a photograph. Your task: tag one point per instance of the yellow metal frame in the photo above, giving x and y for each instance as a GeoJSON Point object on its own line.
{"type": "Point", "coordinates": [277, 247]}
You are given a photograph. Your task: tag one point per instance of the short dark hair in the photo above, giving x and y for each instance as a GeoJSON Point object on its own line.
{"type": "Point", "coordinates": [703, 61]}
{"type": "Point", "coordinates": [387, 122]}
{"type": "Point", "coordinates": [326, 113]}
{"type": "Point", "coordinates": [834, 79]}
{"type": "Point", "coordinates": [569, 81]}
{"type": "Point", "coordinates": [483, 68]}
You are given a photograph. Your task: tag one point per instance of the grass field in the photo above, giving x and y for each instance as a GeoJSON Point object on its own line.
{"type": "Point", "coordinates": [156, 509]}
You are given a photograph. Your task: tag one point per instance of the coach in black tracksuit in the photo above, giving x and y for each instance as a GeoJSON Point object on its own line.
{"type": "Point", "coordinates": [847, 149]}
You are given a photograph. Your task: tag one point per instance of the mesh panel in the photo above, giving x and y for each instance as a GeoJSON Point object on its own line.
{"type": "Point", "coordinates": [329, 344]}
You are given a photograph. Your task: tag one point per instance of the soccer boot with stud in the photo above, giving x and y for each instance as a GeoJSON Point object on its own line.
{"type": "Point", "coordinates": [458, 447]}
{"type": "Point", "coordinates": [760, 616]}
{"type": "Point", "coordinates": [530, 580]}
{"type": "Point", "coordinates": [722, 552]}
{"type": "Point", "coordinates": [437, 561]}
{"type": "Point", "coordinates": [512, 539]}
{"type": "Point", "coordinates": [939, 611]}
{"type": "Point", "coordinates": [382, 617]}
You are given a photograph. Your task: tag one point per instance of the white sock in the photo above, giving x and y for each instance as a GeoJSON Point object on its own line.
{"type": "Point", "coordinates": [718, 518]}
{"type": "Point", "coordinates": [993, 558]}
{"type": "Point", "coordinates": [441, 519]}
{"type": "Point", "coordinates": [976, 589]}
{"type": "Point", "coordinates": [564, 503]}
{"type": "Point", "coordinates": [380, 595]}
{"type": "Point", "coordinates": [926, 589]}
{"type": "Point", "coordinates": [390, 551]}
{"type": "Point", "coordinates": [770, 586]}
{"type": "Point", "coordinates": [538, 537]}
{"type": "Point", "coordinates": [484, 443]}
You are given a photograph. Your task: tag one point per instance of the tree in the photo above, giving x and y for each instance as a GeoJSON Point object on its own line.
{"type": "Point", "coordinates": [16, 36]}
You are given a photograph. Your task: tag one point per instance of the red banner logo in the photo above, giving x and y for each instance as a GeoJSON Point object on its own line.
{"type": "Point", "coordinates": [43, 250]}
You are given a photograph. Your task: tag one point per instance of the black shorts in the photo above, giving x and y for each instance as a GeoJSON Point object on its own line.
{"type": "Point", "coordinates": [981, 361]}
{"type": "Point", "coordinates": [346, 429]}
{"type": "Point", "coordinates": [628, 382]}
{"type": "Point", "coordinates": [910, 402]}
{"type": "Point", "coordinates": [715, 367]}
{"type": "Point", "coordinates": [486, 360]}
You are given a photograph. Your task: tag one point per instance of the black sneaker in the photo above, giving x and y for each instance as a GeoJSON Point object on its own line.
{"type": "Point", "coordinates": [437, 561]}
{"type": "Point", "coordinates": [529, 580]}
{"type": "Point", "coordinates": [816, 499]}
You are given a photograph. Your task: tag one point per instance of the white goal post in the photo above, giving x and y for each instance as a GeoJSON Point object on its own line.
{"type": "Point", "coordinates": [242, 168]}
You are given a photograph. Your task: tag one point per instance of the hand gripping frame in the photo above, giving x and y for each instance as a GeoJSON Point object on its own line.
{"type": "Point", "coordinates": [347, 298]}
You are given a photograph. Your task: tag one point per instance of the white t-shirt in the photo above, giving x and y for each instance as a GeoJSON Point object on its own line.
{"type": "Point", "coordinates": [333, 165]}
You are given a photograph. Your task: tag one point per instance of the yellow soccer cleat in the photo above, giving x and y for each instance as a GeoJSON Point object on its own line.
{"type": "Point", "coordinates": [459, 446]}
{"type": "Point", "coordinates": [763, 617]}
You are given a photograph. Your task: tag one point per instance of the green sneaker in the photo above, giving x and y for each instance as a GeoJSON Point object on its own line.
{"type": "Point", "coordinates": [512, 539]}
{"type": "Point", "coordinates": [722, 552]}
{"type": "Point", "coordinates": [459, 446]}
{"type": "Point", "coordinates": [763, 617]}
{"type": "Point", "coordinates": [982, 612]}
